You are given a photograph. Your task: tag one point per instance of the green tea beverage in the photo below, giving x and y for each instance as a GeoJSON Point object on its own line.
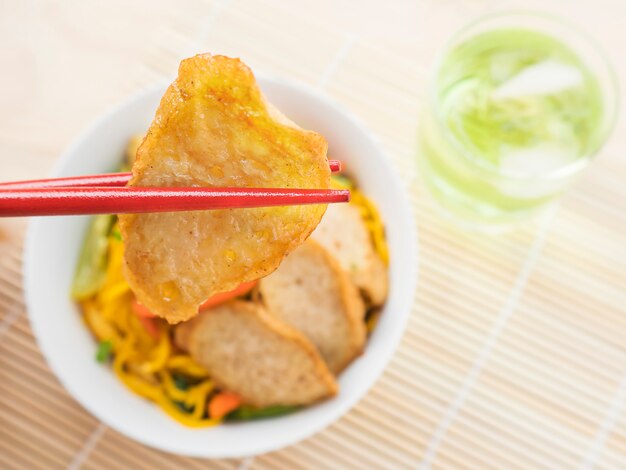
{"type": "Point", "coordinates": [516, 114]}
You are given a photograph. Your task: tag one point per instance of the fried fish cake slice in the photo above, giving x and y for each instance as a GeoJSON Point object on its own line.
{"type": "Point", "coordinates": [213, 128]}
{"type": "Point", "coordinates": [256, 356]}
{"type": "Point", "coordinates": [344, 234]}
{"type": "Point", "coordinates": [313, 294]}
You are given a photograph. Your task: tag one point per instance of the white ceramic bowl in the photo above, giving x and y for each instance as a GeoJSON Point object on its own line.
{"type": "Point", "coordinates": [53, 244]}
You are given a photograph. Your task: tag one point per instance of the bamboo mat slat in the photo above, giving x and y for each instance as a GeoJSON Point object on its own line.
{"type": "Point", "coordinates": [113, 447]}
{"type": "Point", "coordinates": [39, 419]}
{"type": "Point", "coordinates": [514, 355]}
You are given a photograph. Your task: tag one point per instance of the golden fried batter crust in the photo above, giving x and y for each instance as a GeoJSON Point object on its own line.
{"type": "Point", "coordinates": [213, 128]}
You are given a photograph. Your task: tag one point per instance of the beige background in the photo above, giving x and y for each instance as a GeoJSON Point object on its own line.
{"type": "Point", "coordinates": [515, 355]}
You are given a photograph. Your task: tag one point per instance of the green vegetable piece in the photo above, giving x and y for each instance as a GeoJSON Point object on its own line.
{"type": "Point", "coordinates": [103, 353]}
{"type": "Point", "coordinates": [116, 234]}
{"type": "Point", "coordinates": [91, 269]}
{"type": "Point", "coordinates": [182, 407]}
{"type": "Point", "coordinates": [244, 413]}
{"type": "Point", "coordinates": [181, 382]}
{"type": "Point", "coordinates": [342, 181]}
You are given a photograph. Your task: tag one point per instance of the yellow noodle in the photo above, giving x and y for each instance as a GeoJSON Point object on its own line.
{"type": "Point", "coordinates": [112, 293]}
{"type": "Point", "coordinates": [160, 354]}
{"type": "Point", "coordinates": [187, 366]}
{"type": "Point", "coordinates": [373, 222]}
{"type": "Point", "coordinates": [200, 393]}
{"type": "Point", "coordinates": [170, 388]}
{"type": "Point", "coordinates": [101, 328]}
{"type": "Point", "coordinates": [184, 418]}
{"type": "Point", "coordinates": [372, 321]}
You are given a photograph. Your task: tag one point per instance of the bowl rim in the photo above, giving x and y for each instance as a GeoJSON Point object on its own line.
{"type": "Point", "coordinates": [411, 253]}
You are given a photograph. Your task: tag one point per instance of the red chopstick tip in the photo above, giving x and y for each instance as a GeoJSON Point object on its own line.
{"type": "Point", "coordinates": [335, 165]}
{"type": "Point", "coordinates": [339, 195]}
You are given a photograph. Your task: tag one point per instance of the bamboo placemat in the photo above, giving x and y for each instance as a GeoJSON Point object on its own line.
{"type": "Point", "coordinates": [515, 353]}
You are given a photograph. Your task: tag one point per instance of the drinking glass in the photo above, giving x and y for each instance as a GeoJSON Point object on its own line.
{"type": "Point", "coordinates": [519, 104]}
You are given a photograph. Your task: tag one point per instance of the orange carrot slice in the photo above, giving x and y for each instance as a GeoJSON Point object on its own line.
{"type": "Point", "coordinates": [142, 312]}
{"type": "Point", "coordinates": [150, 326]}
{"type": "Point", "coordinates": [222, 404]}
{"type": "Point", "coordinates": [222, 297]}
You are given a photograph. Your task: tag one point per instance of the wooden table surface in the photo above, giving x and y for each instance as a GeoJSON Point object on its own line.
{"type": "Point", "coordinates": [515, 353]}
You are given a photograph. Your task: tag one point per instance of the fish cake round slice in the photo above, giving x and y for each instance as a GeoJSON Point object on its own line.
{"type": "Point", "coordinates": [213, 128]}
{"type": "Point", "coordinates": [254, 355]}
{"type": "Point", "coordinates": [311, 293]}
{"type": "Point", "coordinates": [344, 234]}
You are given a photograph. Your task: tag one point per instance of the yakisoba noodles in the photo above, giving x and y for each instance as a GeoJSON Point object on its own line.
{"type": "Point", "coordinates": [145, 358]}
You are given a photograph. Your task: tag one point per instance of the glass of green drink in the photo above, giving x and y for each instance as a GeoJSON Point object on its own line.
{"type": "Point", "coordinates": [519, 105]}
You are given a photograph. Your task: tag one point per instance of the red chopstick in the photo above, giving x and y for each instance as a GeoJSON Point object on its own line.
{"type": "Point", "coordinates": [77, 201]}
{"type": "Point", "coordinates": [107, 179]}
